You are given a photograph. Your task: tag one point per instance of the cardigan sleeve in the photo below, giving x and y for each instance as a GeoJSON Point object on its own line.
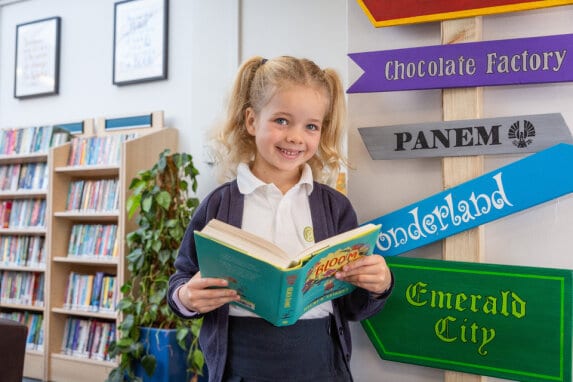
{"type": "Point", "coordinates": [224, 203]}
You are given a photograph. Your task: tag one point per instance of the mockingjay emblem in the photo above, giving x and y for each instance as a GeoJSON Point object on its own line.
{"type": "Point", "coordinates": [521, 134]}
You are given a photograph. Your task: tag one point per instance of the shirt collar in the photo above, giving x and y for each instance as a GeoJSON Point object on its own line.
{"type": "Point", "coordinates": [248, 182]}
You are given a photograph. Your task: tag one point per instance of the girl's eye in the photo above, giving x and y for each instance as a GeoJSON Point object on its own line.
{"type": "Point", "coordinates": [313, 127]}
{"type": "Point", "coordinates": [281, 121]}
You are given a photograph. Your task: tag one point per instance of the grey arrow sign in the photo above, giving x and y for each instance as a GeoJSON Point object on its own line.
{"type": "Point", "coordinates": [489, 136]}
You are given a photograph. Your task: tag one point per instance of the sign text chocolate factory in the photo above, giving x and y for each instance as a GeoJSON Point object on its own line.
{"type": "Point", "coordinates": [499, 62]}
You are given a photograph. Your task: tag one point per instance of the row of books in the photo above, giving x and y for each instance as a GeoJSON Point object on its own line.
{"type": "Point", "coordinates": [29, 140]}
{"type": "Point", "coordinates": [22, 288]}
{"type": "Point", "coordinates": [93, 195]}
{"type": "Point", "coordinates": [23, 213]}
{"type": "Point", "coordinates": [88, 338]}
{"type": "Point", "coordinates": [28, 251]}
{"type": "Point", "coordinates": [93, 241]}
{"type": "Point", "coordinates": [35, 324]}
{"type": "Point", "coordinates": [91, 292]}
{"type": "Point", "coordinates": [27, 176]}
{"type": "Point", "coordinates": [105, 150]}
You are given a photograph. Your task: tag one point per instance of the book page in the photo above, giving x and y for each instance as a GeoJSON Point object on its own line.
{"type": "Point", "coordinates": [246, 242]}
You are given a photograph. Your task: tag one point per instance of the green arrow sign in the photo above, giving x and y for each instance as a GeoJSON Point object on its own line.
{"type": "Point", "coordinates": [510, 322]}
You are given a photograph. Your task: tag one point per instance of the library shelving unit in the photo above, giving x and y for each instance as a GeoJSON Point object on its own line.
{"type": "Point", "coordinates": [89, 185]}
{"type": "Point", "coordinates": [24, 165]}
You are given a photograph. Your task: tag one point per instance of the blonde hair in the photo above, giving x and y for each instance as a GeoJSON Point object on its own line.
{"type": "Point", "coordinates": [255, 84]}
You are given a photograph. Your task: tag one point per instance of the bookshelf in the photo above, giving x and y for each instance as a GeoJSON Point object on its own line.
{"type": "Point", "coordinates": [24, 165]}
{"type": "Point", "coordinates": [88, 224]}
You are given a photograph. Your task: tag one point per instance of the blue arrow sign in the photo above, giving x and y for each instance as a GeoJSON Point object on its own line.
{"type": "Point", "coordinates": [520, 185]}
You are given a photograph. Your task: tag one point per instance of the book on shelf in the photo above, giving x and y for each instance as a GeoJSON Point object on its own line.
{"type": "Point", "coordinates": [29, 140]}
{"type": "Point", "coordinates": [93, 195]}
{"type": "Point", "coordinates": [87, 338]}
{"type": "Point", "coordinates": [90, 292]}
{"type": "Point", "coordinates": [22, 250]}
{"type": "Point", "coordinates": [22, 288]}
{"type": "Point", "coordinates": [34, 323]}
{"type": "Point", "coordinates": [5, 211]}
{"type": "Point", "coordinates": [278, 286]}
{"type": "Point", "coordinates": [105, 150]}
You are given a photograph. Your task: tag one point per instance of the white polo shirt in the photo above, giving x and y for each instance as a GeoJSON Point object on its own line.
{"type": "Point", "coordinates": [282, 219]}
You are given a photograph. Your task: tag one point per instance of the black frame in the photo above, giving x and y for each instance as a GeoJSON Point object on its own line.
{"type": "Point", "coordinates": [37, 51]}
{"type": "Point", "coordinates": [128, 51]}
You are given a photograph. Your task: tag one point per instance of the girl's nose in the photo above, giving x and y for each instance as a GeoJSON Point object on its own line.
{"type": "Point", "coordinates": [294, 136]}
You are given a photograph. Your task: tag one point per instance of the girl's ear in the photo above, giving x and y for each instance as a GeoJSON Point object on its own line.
{"type": "Point", "coordinates": [250, 119]}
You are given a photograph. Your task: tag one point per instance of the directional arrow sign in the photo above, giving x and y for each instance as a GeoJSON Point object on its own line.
{"type": "Point", "coordinates": [484, 63]}
{"type": "Point", "coordinates": [384, 13]}
{"type": "Point", "coordinates": [520, 185]}
{"type": "Point", "coordinates": [504, 321]}
{"type": "Point", "coordinates": [485, 136]}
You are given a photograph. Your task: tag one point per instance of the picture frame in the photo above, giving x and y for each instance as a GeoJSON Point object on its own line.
{"type": "Point", "coordinates": [140, 41]}
{"type": "Point", "coordinates": [37, 62]}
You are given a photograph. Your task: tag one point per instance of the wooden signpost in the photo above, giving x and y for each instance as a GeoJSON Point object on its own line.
{"type": "Point", "coordinates": [461, 71]}
{"type": "Point", "coordinates": [498, 320]}
{"type": "Point", "coordinates": [462, 103]}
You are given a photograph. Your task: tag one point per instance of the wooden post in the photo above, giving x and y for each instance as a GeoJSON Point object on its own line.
{"type": "Point", "coordinates": [462, 103]}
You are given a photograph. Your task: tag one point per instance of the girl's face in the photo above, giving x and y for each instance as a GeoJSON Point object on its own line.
{"type": "Point", "coordinates": [287, 132]}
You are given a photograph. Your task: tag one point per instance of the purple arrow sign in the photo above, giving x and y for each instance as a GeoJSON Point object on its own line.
{"type": "Point", "coordinates": [499, 62]}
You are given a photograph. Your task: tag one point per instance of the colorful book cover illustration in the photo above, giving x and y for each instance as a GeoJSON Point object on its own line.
{"type": "Point", "coordinates": [282, 291]}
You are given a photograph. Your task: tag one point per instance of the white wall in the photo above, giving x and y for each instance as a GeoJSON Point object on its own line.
{"type": "Point", "coordinates": [208, 39]}
{"type": "Point", "coordinates": [203, 56]}
{"type": "Point", "coordinates": [536, 237]}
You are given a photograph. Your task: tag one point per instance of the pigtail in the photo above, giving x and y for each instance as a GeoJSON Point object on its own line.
{"type": "Point", "coordinates": [232, 143]}
{"type": "Point", "coordinates": [330, 152]}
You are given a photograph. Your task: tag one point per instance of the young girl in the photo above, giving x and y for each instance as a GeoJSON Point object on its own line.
{"type": "Point", "coordinates": [283, 130]}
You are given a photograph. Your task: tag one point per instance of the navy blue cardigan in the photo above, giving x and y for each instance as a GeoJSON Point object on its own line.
{"type": "Point", "coordinates": [331, 214]}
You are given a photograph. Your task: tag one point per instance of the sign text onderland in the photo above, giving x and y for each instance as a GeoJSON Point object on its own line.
{"type": "Point", "coordinates": [515, 187]}
{"type": "Point", "coordinates": [488, 63]}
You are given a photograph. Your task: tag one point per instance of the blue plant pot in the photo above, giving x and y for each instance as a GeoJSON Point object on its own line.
{"type": "Point", "coordinates": [171, 359]}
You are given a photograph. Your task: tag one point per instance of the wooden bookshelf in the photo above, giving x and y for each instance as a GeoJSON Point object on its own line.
{"type": "Point", "coordinates": [136, 154]}
{"type": "Point", "coordinates": [12, 264]}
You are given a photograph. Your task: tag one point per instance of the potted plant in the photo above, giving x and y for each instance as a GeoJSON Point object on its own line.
{"type": "Point", "coordinates": [160, 197]}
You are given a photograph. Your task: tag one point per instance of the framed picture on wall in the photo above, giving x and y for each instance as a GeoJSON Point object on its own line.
{"type": "Point", "coordinates": [37, 63]}
{"type": "Point", "coordinates": [140, 41]}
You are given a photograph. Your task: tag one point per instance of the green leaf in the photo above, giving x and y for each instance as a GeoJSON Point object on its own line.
{"type": "Point", "coordinates": [146, 203]}
{"type": "Point", "coordinates": [149, 363]}
{"type": "Point", "coordinates": [182, 334]}
{"type": "Point", "coordinates": [125, 304]}
{"type": "Point", "coordinates": [198, 361]}
{"type": "Point", "coordinates": [163, 199]}
{"type": "Point", "coordinates": [132, 204]}
{"type": "Point", "coordinates": [164, 256]}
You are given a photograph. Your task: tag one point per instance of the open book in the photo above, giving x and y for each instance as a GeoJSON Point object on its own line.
{"type": "Point", "coordinates": [276, 286]}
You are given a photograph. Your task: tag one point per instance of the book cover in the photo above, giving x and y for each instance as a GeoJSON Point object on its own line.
{"type": "Point", "coordinates": [96, 293]}
{"type": "Point", "coordinates": [282, 293]}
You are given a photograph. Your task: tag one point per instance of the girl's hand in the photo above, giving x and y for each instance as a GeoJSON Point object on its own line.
{"type": "Point", "coordinates": [198, 294]}
{"type": "Point", "coordinates": [368, 272]}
